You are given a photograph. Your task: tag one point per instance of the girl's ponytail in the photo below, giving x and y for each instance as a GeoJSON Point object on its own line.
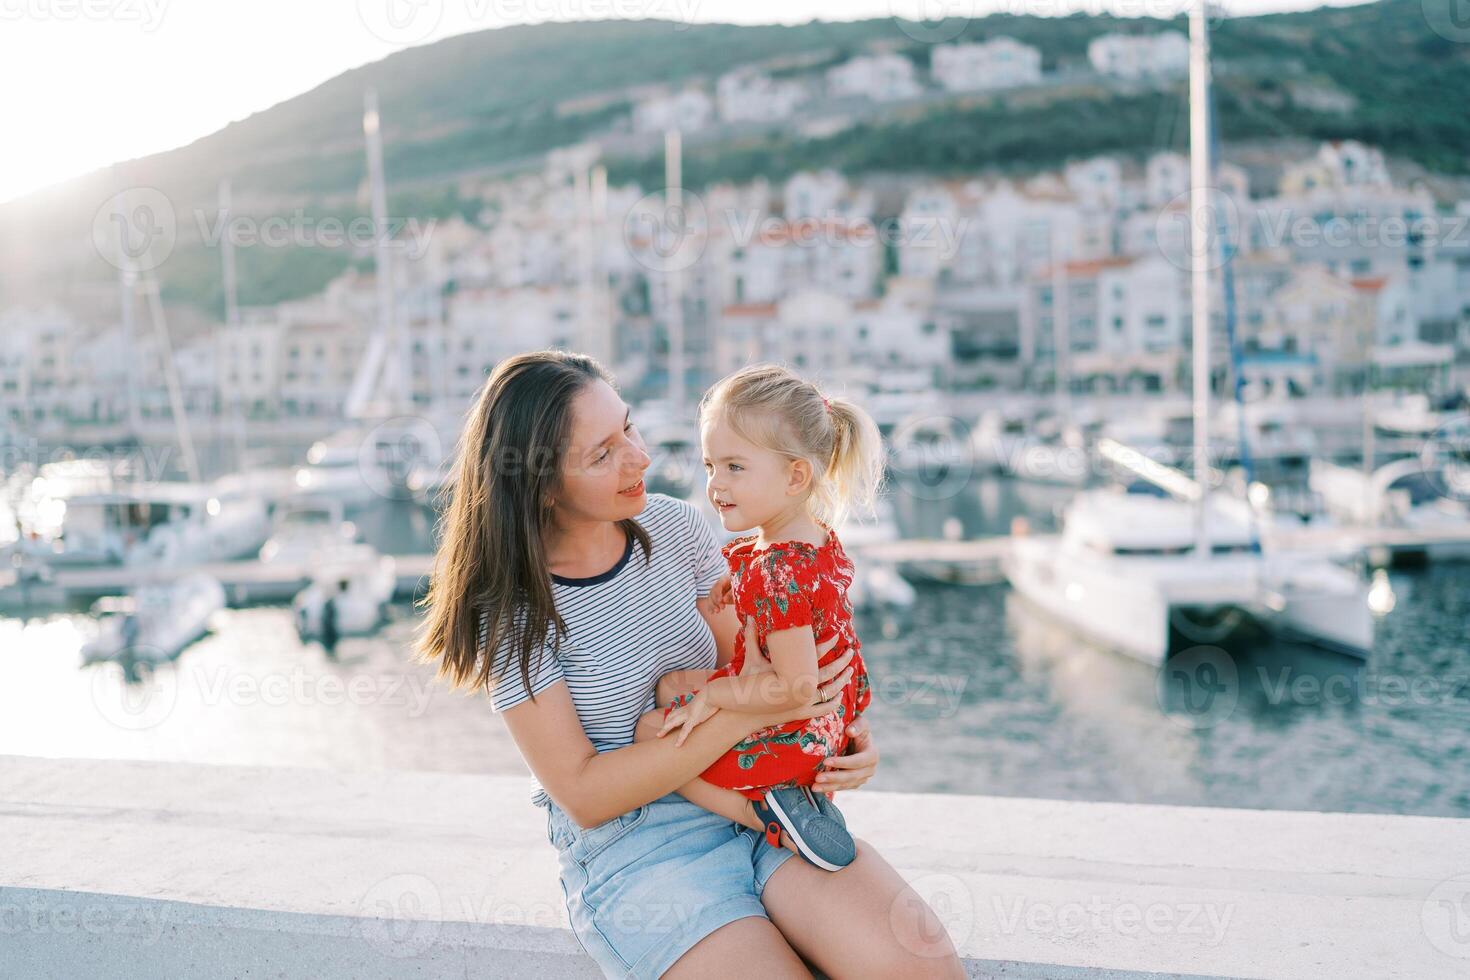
{"type": "Point", "coordinates": [855, 471]}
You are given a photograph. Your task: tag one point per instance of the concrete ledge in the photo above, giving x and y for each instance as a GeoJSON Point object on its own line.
{"type": "Point", "coordinates": [127, 869]}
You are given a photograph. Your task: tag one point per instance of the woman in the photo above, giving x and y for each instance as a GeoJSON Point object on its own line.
{"type": "Point", "coordinates": [538, 596]}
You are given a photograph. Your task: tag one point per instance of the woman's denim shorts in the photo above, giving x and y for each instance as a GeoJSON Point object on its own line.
{"type": "Point", "coordinates": [642, 888]}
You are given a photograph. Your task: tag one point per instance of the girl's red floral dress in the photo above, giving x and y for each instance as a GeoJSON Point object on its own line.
{"type": "Point", "coordinates": [786, 585]}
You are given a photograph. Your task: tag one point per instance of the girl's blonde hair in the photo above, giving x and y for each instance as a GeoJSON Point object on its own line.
{"type": "Point", "coordinates": [772, 407]}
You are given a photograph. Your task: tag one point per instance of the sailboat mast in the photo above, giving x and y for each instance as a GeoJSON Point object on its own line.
{"type": "Point", "coordinates": [397, 378]}
{"type": "Point", "coordinates": [1199, 241]}
{"type": "Point", "coordinates": [233, 402]}
{"type": "Point", "coordinates": [674, 212]}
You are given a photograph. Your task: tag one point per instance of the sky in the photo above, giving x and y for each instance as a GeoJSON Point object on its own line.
{"type": "Point", "coordinates": [92, 82]}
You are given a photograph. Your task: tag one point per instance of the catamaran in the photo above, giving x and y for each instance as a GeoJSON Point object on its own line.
{"type": "Point", "coordinates": [1133, 571]}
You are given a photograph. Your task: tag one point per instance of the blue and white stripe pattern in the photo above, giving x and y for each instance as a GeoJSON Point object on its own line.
{"type": "Point", "coordinates": [626, 628]}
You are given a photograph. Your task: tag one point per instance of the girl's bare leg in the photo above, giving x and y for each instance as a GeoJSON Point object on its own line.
{"type": "Point", "coordinates": [716, 799]}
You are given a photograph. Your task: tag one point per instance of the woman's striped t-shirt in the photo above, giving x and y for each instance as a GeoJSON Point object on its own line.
{"type": "Point", "coordinates": [625, 628]}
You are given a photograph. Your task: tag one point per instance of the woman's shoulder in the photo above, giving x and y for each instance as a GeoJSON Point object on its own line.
{"type": "Point", "coordinates": [663, 512]}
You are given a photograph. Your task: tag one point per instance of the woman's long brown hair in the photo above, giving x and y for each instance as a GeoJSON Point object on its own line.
{"type": "Point", "coordinates": [491, 566]}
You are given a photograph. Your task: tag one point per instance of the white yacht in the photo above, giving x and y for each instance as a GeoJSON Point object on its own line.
{"type": "Point", "coordinates": [926, 443]}
{"type": "Point", "coordinates": [359, 581]}
{"type": "Point", "coordinates": [1124, 572]}
{"type": "Point", "coordinates": [345, 469]}
{"type": "Point", "coordinates": [1058, 450]}
{"type": "Point", "coordinates": [306, 530]}
{"type": "Point", "coordinates": [1404, 494]}
{"type": "Point", "coordinates": [877, 583]}
{"type": "Point", "coordinates": [999, 434]}
{"type": "Point", "coordinates": [154, 623]}
{"type": "Point", "coordinates": [160, 524]}
{"type": "Point", "coordinates": [1131, 569]}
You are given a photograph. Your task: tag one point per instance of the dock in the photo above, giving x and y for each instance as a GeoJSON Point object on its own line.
{"type": "Point", "coordinates": [245, 582]}
{"type": "Point", "coordinates": [977, 561]}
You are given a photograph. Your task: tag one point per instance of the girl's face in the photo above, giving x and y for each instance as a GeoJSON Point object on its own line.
{"type": "Point", "coordinates": [601, 476]}
{"type": "Point", "coordinates": [748, 484]}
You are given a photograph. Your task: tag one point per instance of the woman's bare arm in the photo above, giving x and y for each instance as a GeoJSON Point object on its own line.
{"type": "Point", "coordinates": [593, 787]}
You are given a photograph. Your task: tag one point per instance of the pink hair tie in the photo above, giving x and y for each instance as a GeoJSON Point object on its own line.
{"type": "Point", "coordinates": [826, 404]}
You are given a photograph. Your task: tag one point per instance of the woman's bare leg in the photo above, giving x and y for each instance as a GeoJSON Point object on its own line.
{"type": "Point", "coordinates": [861, 921]}
{"type": "Point", "coordinates": [751, 946]}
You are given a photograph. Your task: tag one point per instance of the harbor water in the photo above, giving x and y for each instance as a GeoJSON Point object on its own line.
{"type": "Point", "coordinates": [975, 692]}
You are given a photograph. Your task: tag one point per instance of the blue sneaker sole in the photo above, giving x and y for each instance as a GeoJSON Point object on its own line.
{"type": "Point", "coordinates": [826, 850]}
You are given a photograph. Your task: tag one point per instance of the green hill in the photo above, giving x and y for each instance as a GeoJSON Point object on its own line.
{"type": "Point", "coordinates": [497, 99]}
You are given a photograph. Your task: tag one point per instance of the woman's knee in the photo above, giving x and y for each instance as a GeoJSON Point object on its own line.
{"type": "Point", "coordinates": [920, 946]}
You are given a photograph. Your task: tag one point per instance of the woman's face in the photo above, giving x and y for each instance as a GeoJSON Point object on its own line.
{"type": "Point", "coordinates": [601, 476]}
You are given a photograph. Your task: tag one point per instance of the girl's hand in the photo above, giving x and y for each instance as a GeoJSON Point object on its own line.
{"type": "Point", "coordinates": [687, 717]}
{"type": "Point", "coordinates": [856, 767]}
{"type": "Point", "coordinates": [721, 594]}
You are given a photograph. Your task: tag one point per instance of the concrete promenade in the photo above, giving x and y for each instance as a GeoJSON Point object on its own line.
{"type": "Point", "coordinates": [136, 869]}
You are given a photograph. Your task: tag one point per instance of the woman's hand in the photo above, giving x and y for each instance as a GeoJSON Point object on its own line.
{"type": "Point", "coordinates": [856, 767]}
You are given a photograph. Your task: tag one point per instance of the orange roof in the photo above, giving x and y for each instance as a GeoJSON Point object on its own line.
{"type": "Point", "coordinates": [750, 309]}
{"type": "Point", "coordinates": [805, 228]}
{"type": "Point", "coordinates": [1089, 268]}
{"type": "Point", "coordinates": [1370, 285]}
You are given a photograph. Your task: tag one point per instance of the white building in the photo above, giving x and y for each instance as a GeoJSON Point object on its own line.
{"type": "Point", "coordinates": [881, 78]}
{"type": "Point", "coordinates": [900, 331]}
{"type": "Point", "coordinates": [932, 227]}
{"type": "Point", "coordinates": [1000, 63]}
{"type": "Point", "coordinates": [814, 195]}
{"type": "Point", "coordinates": [1121, 321]}
{"type": "Point", "coordinates": [36, 364]}
{"type": "Point", "coordinates": [780, 257]}
{"type": "Point", "coordinates": [487, 325]}
{"type": "Point", "coordinates": [1165, 177]}
{"type": "Point", "coordinates": [1136, 56]}
{"type": "Point", "coordinates": [749, 95]}
{"type": "Point", "coordinates": [250, 359]}
{"type": "Point", "coordinates": [1097, 182]}
{"type": "Point", "coordinates": [688, 110]}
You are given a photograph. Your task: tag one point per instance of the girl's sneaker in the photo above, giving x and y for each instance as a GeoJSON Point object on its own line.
{"type": "Point", "coordinates": [825, 806]}
{"type": "Point", "coordinates": [820, 839]}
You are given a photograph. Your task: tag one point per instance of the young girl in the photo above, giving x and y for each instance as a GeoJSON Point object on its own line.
{"type": "Point", "coordinates": [791, 464]}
